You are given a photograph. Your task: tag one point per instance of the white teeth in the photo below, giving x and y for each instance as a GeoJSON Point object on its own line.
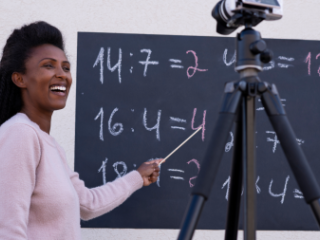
{"type": "Point", "coordinates": [61, 88]}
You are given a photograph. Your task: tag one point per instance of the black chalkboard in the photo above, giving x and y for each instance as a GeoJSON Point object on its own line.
{"type": "Point", "coordinates": [139, 96]}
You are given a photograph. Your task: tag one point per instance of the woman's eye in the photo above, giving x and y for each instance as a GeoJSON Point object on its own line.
{"type": "Point", "coordinates": [48, 66]}
{"type": "Point", "coordinates": [67, 69]}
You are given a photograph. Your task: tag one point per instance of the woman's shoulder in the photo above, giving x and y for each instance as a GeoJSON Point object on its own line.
{"type": "Point", "coordinates": [20, 124]}
{"type": "Point", "coordinates": [19, 137]}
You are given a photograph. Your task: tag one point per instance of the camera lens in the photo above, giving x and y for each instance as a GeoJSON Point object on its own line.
{"type": "Point", "coordinates": [222, 16]}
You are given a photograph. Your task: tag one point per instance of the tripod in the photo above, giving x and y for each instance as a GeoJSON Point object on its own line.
{"type": "Point", "coordinates": [239, 106]}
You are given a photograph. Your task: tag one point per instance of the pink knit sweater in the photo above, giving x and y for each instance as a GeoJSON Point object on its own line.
{"type": "Point", "coordinates": [40, 196]}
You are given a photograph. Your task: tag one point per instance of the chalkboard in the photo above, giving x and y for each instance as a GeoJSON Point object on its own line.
{"type": "Point", "coordinates": [139, 96]}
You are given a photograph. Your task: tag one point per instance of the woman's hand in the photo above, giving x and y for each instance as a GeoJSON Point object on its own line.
{"type": "Point", "coordinates": [149, 171]}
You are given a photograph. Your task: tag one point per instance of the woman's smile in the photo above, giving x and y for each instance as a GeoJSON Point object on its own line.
{"type": "Point", "coordinates": [59, 90]}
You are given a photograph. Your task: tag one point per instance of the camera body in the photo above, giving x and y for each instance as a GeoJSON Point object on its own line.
{"type": "Point", "coordinates": [228, 13]}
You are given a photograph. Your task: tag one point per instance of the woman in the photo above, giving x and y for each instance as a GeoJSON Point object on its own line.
{"type": "Point", "coordinates": [40, 196]}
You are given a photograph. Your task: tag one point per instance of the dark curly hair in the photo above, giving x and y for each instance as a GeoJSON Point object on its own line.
{"type": "Point", "coordinates": [15, 53]}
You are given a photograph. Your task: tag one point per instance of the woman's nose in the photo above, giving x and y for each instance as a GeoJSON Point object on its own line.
{"type": "Point", "coordinates": [60, 73]}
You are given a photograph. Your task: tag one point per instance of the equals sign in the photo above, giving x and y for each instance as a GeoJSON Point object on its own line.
{"type": "Point", "coordinates": [283, 65]}
{"type": "Point", "coordinates": [175, 65]}
{"type": "Point", "coordinates": [178, 120]}
{"type": "Point", "coordinates": [176, 177]}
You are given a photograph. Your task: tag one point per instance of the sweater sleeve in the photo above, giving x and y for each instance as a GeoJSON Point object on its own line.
{"type": "Point", "coordinates": [97, 201]}
{"type": "Point", "coordinates": [19, 158]}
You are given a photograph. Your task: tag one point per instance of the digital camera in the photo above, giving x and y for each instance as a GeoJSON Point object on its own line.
{"type": "Point", "coordinates": [230, 14]}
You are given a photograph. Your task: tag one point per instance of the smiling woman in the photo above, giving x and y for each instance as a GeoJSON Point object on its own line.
{"type": "Point", "coordinates": [40, 196]}
{"type": "Point", "coordinates": [46, 82]}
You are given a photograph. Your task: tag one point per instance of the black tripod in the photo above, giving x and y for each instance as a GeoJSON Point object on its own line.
{"type": "Point", "coordinates": [239, 106]}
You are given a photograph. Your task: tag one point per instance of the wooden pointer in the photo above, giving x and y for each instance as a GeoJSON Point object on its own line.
{"type": "Point", "coordinates": [179, 146]}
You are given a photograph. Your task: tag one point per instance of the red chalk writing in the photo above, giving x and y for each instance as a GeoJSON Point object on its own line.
{"type": "Point", "coordinates": [195, 68]}
{"type": "Point", "coordinates": [195, 161]}
{"type": "Point", "coordinates": [203, 122]}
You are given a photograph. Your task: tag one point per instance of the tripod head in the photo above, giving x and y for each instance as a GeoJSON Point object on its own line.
{"type": "Point", "coordinates": [251, 50]}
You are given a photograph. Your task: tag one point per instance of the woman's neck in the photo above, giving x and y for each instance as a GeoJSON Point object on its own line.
{"type": "Point", "coordinates": [43, 119]}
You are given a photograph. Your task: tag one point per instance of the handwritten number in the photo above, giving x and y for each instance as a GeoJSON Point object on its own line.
{"type": "Point", "coordinates": [103, 169]}
{"type": "Point", "coordinates": [229, 145]}
{"type": "Point", "coordinates": [319, 66]}
{"type": "Point", "coordinates": [308, 61]}
{"type": "Point", "coordinates": [112, 129]}
{"type": "Point", "coordinates": [195, 68]}
{"type": "Point", "coordinates": [195, 161]}
{"type": "Point", "coordinates": [117, 65]}
{"type": "Point", "coordinates": [100, 59]}
{"type": "Point", "coordinates": [203, 122]}
{"type": "Point", "coordinates": [147, 62]}
{"type": "Point", "coordinates": [233, 59]}
{"type": "Point", "coordinates": [156, 126]}
{"type": "Point", "coordinates": [124, 170]}
{"type": "Point", "coordinates": [226, 183]}
{"type": "Point", "coordinates": [283, 194]}
{"type": "Point", "coordinates": [100, 114]}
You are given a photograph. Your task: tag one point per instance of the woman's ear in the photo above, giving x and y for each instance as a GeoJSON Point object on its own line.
{"type": "Point", "coordinates": [17, 79]}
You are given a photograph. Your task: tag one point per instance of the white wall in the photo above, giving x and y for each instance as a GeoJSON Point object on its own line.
{"type": "Point", "coordinates": [177, 17]}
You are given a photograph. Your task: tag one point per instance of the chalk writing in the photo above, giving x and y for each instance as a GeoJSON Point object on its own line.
{"type": "Point", "coordinates": [226, 184]}
{"type": "Point", "coordinates": [175, 65]}
{"type": "Point", "coordinates": [195, 67]}
{"type": "Point", "coordinates": [282, 65]}
{"type": "Point", "coordinates": [100, 59]}
{"type": "Point", "coordinates": [103, 169]}
{"type": "Point", "coordinates": [124, 168]}
{"type": "Point", "coordinates": [308, 61]}
{"type": "Point", "coordinates": [283, 194]}
{"type": "Point", "coordinates": [100, 114]}
{"type": "Point", "coordinates": [262, 108]}
{"type": "Point", "coordinates": [275, 140]}
{"type": "Point", "coordinates": [146, 63]}
{"type": "Point", "coordinates": [156, 126]}
{"type": "Point", "coordinates": [285, 65]}
{"type": "Point", "coordinates": [297, 194]}
{"type": "Point", "coordinates": [176, 177]}
{"type": "Point", "coordinates": [203, 122]}
{"type": "Point", "coordinates": [113, 129]}
{"type": "Point", "coordinates": [233, 59]}
{"type": "Point", "coordinates": [319, 67]}
{"type": "Point", "coordinates": [290, 59]}
{"type": "Point", "coordinates": [229, 145]}
{"type": "Point", "coordinates": [195, 161]}
{"type": "Point", "coordinates": [117, 65]}
{"type": "Point", "coordinates": [269, 66]}
{"type": "Point", "coordinates": [175, 170]}
{"type": "Point", "coordinates": [179, 120]}
{"type": "Point", "coordinates": [257, 187]}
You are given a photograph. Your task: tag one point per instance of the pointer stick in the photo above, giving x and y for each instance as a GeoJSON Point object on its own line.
{"type": "Point", "coordinates": [179, 146]}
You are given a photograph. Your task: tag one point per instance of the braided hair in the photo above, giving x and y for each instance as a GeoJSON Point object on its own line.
{"type": "Point", "coordinates": [17, 50]}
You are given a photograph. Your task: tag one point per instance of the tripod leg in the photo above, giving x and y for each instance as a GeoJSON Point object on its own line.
{"type": "Point", "coordinates": [234, 198]}
{"type": "Point", "coordinates": [296, 158]}
{"type": "Point", "coordinates": [248, 156]}
{"type": "Point", "coordinates": [201, 192]}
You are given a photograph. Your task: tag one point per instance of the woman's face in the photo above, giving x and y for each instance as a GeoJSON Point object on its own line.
{"type": "Point", "coordinates": [47, 79]}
